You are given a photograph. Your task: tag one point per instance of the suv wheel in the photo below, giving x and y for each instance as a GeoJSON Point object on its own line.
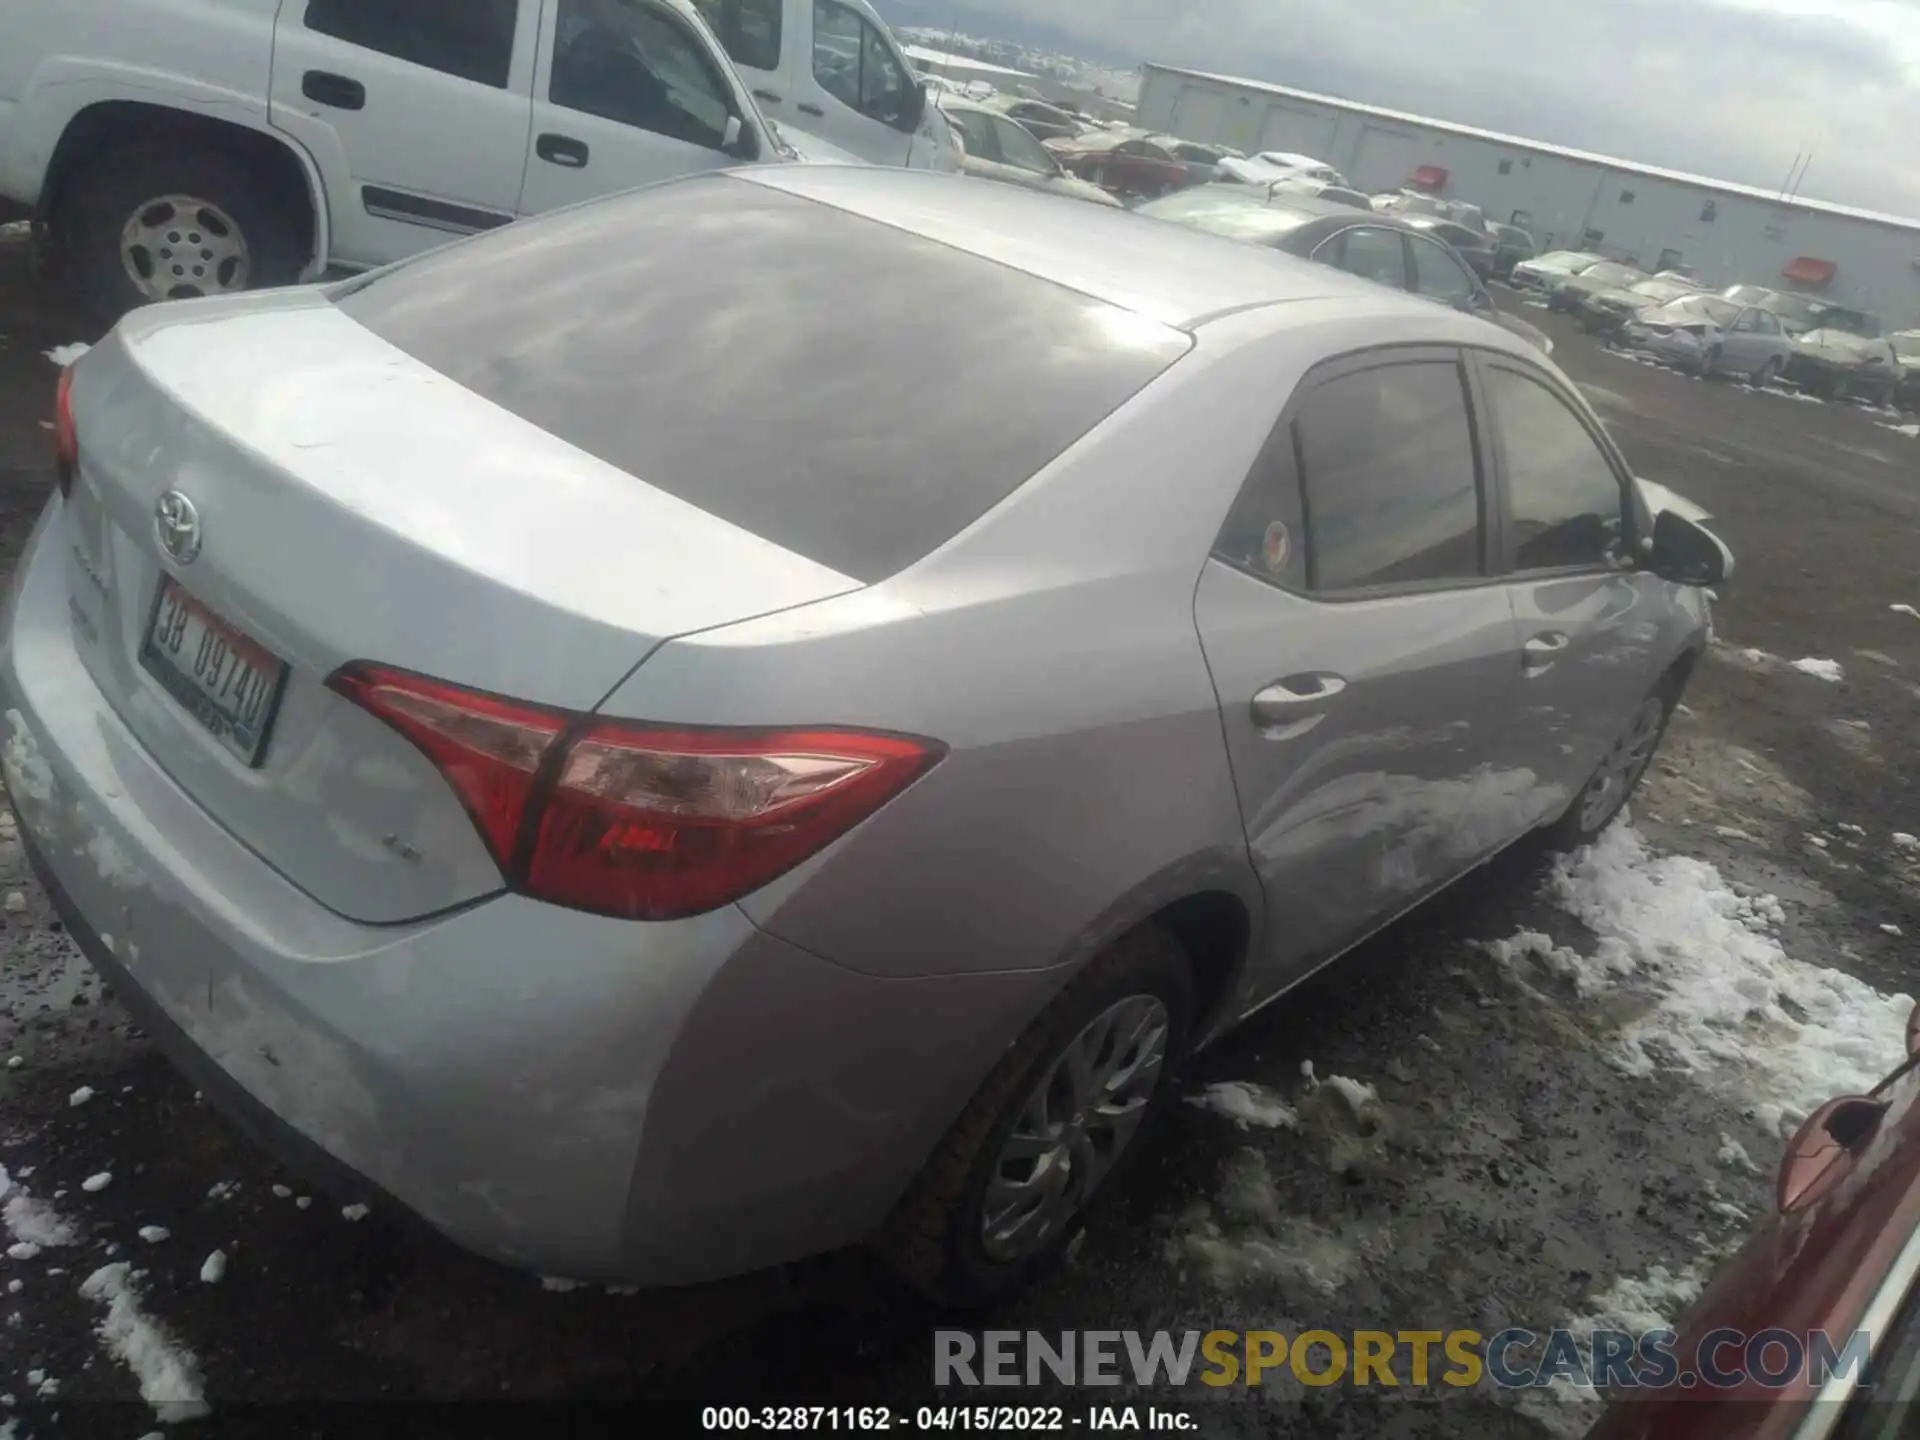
{"type": "Point", "coordinates": [150, 222]}
{"type": "Point", "coordinates": [1055, 1122]}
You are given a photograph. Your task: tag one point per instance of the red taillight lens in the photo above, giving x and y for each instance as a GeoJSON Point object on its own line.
{"type": "Point", "coordinates": [637, 821]}
{"type": "Point", "coordinates": [66, 439]}
{"type": "Point", "coordinates": [490, 750]}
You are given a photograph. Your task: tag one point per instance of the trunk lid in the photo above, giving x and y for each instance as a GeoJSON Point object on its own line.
{"type": "Point", "coordinates": [352, 503]}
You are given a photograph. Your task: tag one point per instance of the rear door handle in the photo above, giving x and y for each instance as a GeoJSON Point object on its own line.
{"type": "Point", "coordinates": [1293, 706]}
{"type": "Point", "coordinates": [772, 97]}
{"type": "Point", "coordinates": [1539, 653]}
{"type": "Point", "coordinates": [335, 90]}
{"type": "Point", "coordinates": [807, 109]}
{"type": "Point", "coordinates": [562, 150]}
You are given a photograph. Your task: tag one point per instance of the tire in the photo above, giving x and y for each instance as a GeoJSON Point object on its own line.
{"type": "Point", "coordinates": [111, 195]}
{"type": "Point", "coordinates": [1644, 730]}
{"type": "Point", "coordinates": [936, 1240]}
{"type": "Point", "coordinates": [1768, 372]}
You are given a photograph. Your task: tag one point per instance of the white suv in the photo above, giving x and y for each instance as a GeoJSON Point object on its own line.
{"type": "Point", "coordinates": [193, 147]}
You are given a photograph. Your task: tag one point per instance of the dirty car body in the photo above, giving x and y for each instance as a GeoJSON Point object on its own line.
{"type": "Point", "coordinates": [1838, 1256]}
{"type": "Point", "coordinates": [546, 758]}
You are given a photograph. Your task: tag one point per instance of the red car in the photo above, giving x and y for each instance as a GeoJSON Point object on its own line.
{"type": "Point", "coordinates": [1839, 1260]}
{"type": "Point", "coordinates": [1126, 165]}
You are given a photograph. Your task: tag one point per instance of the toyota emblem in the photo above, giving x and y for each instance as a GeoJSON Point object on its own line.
{"type": "Point", "coordinates": [177, 523]}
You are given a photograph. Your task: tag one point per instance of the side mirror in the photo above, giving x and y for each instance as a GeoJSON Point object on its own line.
{"type": "Point", "coordinates": [1818, 1156]}
{"type": "Point", "coordinates": [1688, 553]}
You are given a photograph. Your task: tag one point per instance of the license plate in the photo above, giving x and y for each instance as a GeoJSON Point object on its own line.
{"type": "Point", "coordinates": [227, 682]}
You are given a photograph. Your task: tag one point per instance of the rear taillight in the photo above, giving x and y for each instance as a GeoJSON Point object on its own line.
{"type": "Point", "coordinates": [639, 821]}
{"type": "Point", "coordinates": [66, 439]}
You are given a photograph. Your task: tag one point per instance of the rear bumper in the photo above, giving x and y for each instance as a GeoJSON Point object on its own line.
{"type": "Point", "coordinates": [575, 1095]}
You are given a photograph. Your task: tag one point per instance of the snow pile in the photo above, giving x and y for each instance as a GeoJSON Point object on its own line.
{"type": "Point", "coordinates": [65, 355]}
{"type": "Point", "coordinates": [94, 1184]}
{"type": "Point", "coordinates": [1912, 432]}
{"type": "Point", "coordinates": [168, 1373]}
{"type": "Point", "coordinates": [1246, 1104]}
{"type": "Point", "coordinates": [1828, 670]}
{"type": "Point", "coordinates": [1730, 1004]}
{"type": "Point", "coordinates": [214, 1269]}
{"type": "Point", "coordinates": [154, 1234]}
{"type": "Point", "coordinates": [354, 1212]}
{"type": "Point", "coordinates": [1250, 1239]}
{"type": "Point", "coordinates": [33, 1224]}
{"type": "Point", "coordinates": [1611, 960]}
{"type": "Point", "coordinates": [80, 1096]}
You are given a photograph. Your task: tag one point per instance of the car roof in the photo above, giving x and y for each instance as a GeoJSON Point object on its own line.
{"type": "Point", "coordinates": [1163, 271]}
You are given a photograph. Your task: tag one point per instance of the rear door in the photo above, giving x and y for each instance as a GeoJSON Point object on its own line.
{"type": "Point", "coordinates": [1363, 654]}
{"type": "Point", "coordinates": [754, 33]}
{"type": "Point", "coordinates": [1589, 628]}
{"type": "Point", "coordinates": [1744, 346]}
{"type": "Point", "coordinates": [626, 93]}
{"type": "Point", "coordinates": [416, 111]}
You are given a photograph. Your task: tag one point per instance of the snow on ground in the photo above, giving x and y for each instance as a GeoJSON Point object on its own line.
{"type": "Point", "coordinates": [168, 1372]}
{"type": "Point", "coordinates": [1243, 1236]}
{"type": "Point", "coordinates": [1905, 610]}
{"type": "Point", "coordinates": [65, 355]}
{"type": "Point", "coordinates": [1828, 670]}
{"type": "Point", "coordinates": [1912, 432]}
{"type": "Point", "coordinates": [214, 1269]}
{"type": "Point", "coordinates": [1633, 1304]}
{"type": "Point", "coordinates": [33, 1224]}
{"type": "Point", "coordinates": [1246, 1104]}
{"type": "Point", "coordinates": [1731, 1007]}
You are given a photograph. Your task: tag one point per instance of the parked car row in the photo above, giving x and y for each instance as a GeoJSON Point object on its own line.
{"type": "Point", "coordinates": [1408, 253]}
{"type": "Point", "coordinates": [1827, 349]}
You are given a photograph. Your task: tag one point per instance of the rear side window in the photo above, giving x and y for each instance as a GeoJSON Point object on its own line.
{"type": "Point", "coordinates": [472, 39]}
{"type": "Point", "coordinates": [1369, 252]}
{"type": "Point", "coordinates": [855, 66]}
{"type": "Point", "coordinates": [749, 30]}
{"type": "Point", "coordinates": [742, 349]}
{"type": "Point", "coordinates": [1391, 479]}
{"type": "Point", "coordinates": [1565, 504]}
{"type": "Point", "coordinates": [1439, 276]}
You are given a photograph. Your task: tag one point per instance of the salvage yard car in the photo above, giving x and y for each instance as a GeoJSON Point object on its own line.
{"type": "Point", "coordinates": [1512, 244]}
{"type": "Point", "coordinates": [995, 147]}
{"type": "Point", "coordinates": [1124, 164]}
{"type": "Point", "coordinates": [1837, 1257]}
{"type": "Point", "coordinates": [211, 146]}
{"type": "Point", "coordinates": [1404, 253]}
{"type": "Point", "coordinates": [1711, 335]}
{"type": "Point", "coordinates": [659, 798]}
{"type": "Point", "coordinates": [1569, 292]}
{"type": "Point", "coordinates": [1543, 272]}
{"type": "Point", "coordinates": [1604, 311]}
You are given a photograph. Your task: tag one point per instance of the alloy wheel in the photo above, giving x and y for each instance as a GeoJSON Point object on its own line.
{"type": "Point", "coordinates": [178, 247]}
{"type": "Point", "coordinates": [1622, 767]}
{"type": "Point", "coordinates": [1073, 1126]}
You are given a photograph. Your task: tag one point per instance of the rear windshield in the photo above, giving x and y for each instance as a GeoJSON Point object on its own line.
{"type": "Point", "coordinates": [765, 358]}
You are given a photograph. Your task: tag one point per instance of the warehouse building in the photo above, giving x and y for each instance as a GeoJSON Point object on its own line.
{"type": "Point", "coordinates": [1658, 219]}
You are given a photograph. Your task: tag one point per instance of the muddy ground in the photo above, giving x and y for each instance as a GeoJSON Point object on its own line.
{"type": "Point", "coordinates": [1509, 1173]}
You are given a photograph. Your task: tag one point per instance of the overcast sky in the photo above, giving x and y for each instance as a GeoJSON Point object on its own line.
{"type": "Point", "coordinates": [1728, 88]}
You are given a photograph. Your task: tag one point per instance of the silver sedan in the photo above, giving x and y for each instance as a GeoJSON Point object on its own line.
{"type": "Point", "coordinates": [602, 735]}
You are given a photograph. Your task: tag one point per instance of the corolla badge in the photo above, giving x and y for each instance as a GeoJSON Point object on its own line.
{"type": "Point", "coordinates": [177, 524]}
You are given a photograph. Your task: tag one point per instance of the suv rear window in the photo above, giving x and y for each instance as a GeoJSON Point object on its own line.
{"type": "Point", "coordinates": [744, 350]}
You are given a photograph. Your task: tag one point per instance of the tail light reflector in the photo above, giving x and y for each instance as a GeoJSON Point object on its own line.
{"type": "Point", "coordinates": [638, 821]}
{"type": "Point", "coordinates": [66, 439]}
